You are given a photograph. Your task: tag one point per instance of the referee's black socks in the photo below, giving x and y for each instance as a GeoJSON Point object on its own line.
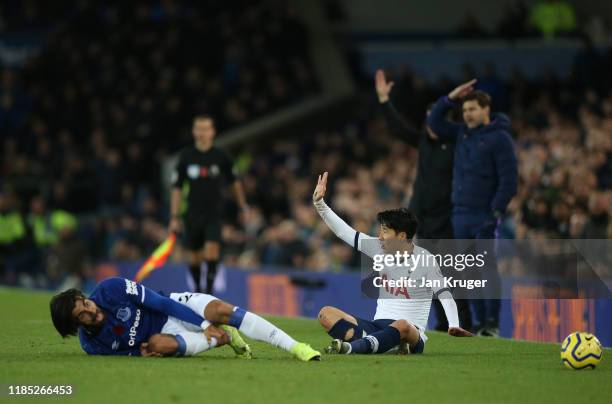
{"type": "Point", "coordinates": [211, 273]}
{"type": "Point", "coordinates": [196, 273]}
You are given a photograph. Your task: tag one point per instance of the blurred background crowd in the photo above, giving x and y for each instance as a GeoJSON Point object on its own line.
{"type": "Point", "coordinates": [86, 124]}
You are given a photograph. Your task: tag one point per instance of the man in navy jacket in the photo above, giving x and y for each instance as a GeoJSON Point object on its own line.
{"type": "Point", "coordinates": [485, 176]}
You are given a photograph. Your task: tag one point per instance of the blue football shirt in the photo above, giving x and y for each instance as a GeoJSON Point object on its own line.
{"type": "Point", "coordinates": [128, 322]}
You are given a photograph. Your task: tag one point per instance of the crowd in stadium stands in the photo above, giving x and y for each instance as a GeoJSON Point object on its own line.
{"type": "Point", "coordinates": [564, 144]}
{"type": "Point", "coordinates": [86, 122]}
{"type": "Point", "coordinates": [136, 72]}
{"type": "Point", "coordinates": [85, 125]}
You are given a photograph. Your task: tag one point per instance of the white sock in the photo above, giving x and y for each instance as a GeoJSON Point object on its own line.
{"type": "Point", "coordinates": [349, 349]}
{"type": "Point", "coordinates": [198, 343]}
{"type": "Point", "coordinates": [260, 329]}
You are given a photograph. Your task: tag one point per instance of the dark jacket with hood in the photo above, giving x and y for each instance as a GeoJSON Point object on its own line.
{"type": "Point", "coordinates": [431, 195]}
{"type": "Point", "coordinates": [485, 171]}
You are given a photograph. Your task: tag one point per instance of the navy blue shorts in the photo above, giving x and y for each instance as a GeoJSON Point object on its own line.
{"type": "Point", "coordinates": [370, 327]}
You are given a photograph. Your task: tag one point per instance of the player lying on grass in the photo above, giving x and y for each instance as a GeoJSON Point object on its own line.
{"type": "Point", "coordinates": [401, 313]}
{"type": "Point", "coordinates": [122, 317]}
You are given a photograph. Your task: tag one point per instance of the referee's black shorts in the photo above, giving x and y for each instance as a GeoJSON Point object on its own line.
{"type": "Point", "coordinates": [199, 230]}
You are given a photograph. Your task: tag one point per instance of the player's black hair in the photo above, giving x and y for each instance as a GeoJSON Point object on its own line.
{"type": "Point", "coordinates": [61, 306]}
{"type": "Point", "coordinates": [400, 220]}
{"type": "Point", "coordinates": [483, 99]}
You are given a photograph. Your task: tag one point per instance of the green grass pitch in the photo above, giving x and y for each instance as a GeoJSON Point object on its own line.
{"type": "Point", "coordinates": [474, 370]}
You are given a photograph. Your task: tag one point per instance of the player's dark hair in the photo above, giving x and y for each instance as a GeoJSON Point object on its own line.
{"type": "Point", "coordinates": [483, 99]}
{"type": "Point", "coordinates": [61, 306]}
{"type": "Point", "coordinates": [400, 220]}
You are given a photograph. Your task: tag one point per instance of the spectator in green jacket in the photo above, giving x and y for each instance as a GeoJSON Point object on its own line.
{"type": "Point", "coordinates": [552, 17]}
{"type": "Point", "coordinates": [46, 225]}
{"type": "Point", "coordinates": [12, 236]}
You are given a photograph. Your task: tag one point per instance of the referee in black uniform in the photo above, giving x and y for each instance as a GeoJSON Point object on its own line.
{"type": "Point", "coordinates": [206, 169]}
{"type": "Point", "coordinates": [431, 195]}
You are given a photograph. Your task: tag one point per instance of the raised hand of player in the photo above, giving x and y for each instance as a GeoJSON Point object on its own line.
{"type": "Point", "coordinates": [321, 187]}
{"type": "Point", "coordinates": [463, 90]}
{"type": "Point", "coordinates": [383, 87]}
{"type": "Point", "coordinates": [459, 332]}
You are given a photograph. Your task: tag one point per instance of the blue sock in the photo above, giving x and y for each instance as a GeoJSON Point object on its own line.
{"type": "Point", "coordinates": [378, 342]}
{"type": "Point", "coordinates": [237, 317]}
{"type": "Point", "coordinates": [362, 346]}
{"type": "Point", "coordinates": [182, 346]}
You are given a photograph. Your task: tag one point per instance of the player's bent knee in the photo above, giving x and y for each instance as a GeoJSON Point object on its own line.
{"type": "Point", "coordinates": [323, 312]}
{"type": "Point", "coordinates": [408, 332]}
{"type": "Point", "coordinates": [218, 312]}
{"type": "Point", "coordinates": [325, 317]}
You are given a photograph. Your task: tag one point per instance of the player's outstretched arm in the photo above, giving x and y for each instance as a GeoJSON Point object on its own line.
{"type": "Point", "coordinates": [340, 228]}
{"type": "Point", "coordinates": [143, 296]}
{"type": "Point", "coordinates": [169, 307]}
{"type": "Point", "coordinates": [450, 309]}
{"type": "Point", "coordinates": [321, 188]}
{"type": "Point", "coordinates": [445, 297]}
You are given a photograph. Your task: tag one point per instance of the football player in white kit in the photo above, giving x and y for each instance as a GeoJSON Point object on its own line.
{"type": "Point", "coordinates": [401, 312]}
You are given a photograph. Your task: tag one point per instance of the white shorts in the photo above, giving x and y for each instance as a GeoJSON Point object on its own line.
{"type": "Point", "coordinates": [190, 333]}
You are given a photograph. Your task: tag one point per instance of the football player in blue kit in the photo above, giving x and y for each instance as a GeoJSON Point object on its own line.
{"type": "Point", "coordinates": [122, 317]}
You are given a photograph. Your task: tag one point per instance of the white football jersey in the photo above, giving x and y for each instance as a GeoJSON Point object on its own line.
{"type": "Point", "coordinates": [410, 303]}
